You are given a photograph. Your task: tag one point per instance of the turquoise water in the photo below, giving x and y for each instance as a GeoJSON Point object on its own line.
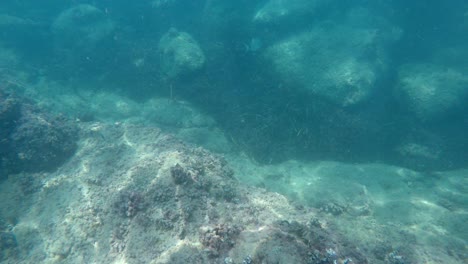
{"type": "Point", "coordinates": [358, 109]}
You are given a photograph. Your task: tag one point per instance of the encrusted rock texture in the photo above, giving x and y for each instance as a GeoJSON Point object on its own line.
{"type": "Point", "coordinates": [136, 195]}
{"type": "Point", "coordinates": [32, 140]}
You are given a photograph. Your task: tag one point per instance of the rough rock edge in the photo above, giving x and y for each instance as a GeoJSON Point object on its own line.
{"type": "Point", "coordinates": [136, 195]}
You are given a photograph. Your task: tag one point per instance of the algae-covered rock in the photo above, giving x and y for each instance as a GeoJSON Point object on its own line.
{"type": "Point", "coordinates": [274, 10]}
{"type": "Point", "coordinates": [181, 54]}
{"type": "Point", "coordinates": [82, 26]}
{"type": "Point", "coordinates": [306, 62]}
{"type": "Point", "coordinates": [338, 62]}
{"type": "Point", "coordinates": [32, 140]}
{"type": "Point", "coordinates": [432, 92]}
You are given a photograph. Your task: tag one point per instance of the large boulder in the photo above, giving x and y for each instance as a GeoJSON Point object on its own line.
{"type": "Point", "coordinates": [338, 62]}
{"type": "Point", "coordinates": [180, 54]}
{"type": "Point", "coordinates": [274, 10]}
{"type": "Point", "coordinates": [82, 26]}
{"type": "Point", "coordinates": [432, 92]}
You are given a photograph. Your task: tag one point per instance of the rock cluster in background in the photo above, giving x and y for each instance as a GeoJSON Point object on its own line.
{"type": "Point", "coordinates": [322, 79]}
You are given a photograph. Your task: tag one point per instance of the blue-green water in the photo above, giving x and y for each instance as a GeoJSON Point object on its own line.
{"type": "Point", "coordinates": [334, 104]}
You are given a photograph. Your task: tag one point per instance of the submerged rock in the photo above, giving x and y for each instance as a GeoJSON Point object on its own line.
{"type": "Point", "coordinates": [432, 92]}
{"type": "Point", "coordinates": [181, 54]}
{"type": "Point", "coordinates": [82, 26]}
{"type": "Point", "coordinates": [153, 199]}
{"type": "Point", "coordinates": [32, 140]}
{"type": "Point", "coordinates": [338, 62]}
{"type": "Point", "coordinates": [274, 10]}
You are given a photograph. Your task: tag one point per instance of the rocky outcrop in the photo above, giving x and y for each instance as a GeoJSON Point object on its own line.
{"type": "Point", "coordinates": [338, 62]}
{"type": "Point", "coordinates": [32, 140]}
{"type": "Point", "coordinates": [82, 26]}
{"type": "Point", "coordinates": [135, 194]}
{"type": "Point", "coordinates": [276, 10]}
{"type": "Point", "coordinates": [180, 54]}
{"type": "Point", "coordinates": [432, 92]}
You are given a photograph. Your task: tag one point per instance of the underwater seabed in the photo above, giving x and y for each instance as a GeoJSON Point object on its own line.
{"type": "Point", "coordinates": [376, 204]}
{"type": "Point", "coordinates": [132, 193]}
